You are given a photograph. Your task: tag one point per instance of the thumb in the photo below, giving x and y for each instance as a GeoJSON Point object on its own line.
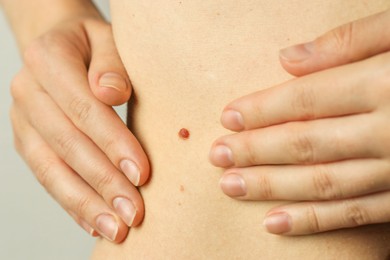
{"type": "Point", "coordinates": [348, 43]}
{"type": "Point", "coordinates": [108, 78]}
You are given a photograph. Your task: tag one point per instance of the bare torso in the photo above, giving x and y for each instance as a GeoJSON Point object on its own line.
{"type": "Point", "coordinates": [187, 60]}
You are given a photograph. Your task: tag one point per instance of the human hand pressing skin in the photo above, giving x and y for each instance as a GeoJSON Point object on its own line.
{"type": "Point", "coordinates": [76, 145]}
{"type": "Point", "coordinates": [323, 138]}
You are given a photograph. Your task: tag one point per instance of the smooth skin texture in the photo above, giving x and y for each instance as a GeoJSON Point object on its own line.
{"type": "Point", "coordinates": [321, 138]}
{"type": "Point", "coordinates": [105, 94]}
{"type": "Point", "coordinates": [87, 160]}
{"type": "Point", "coordinates": [202, 55]}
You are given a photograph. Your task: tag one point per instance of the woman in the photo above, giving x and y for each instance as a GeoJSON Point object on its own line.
{"type": "Point", "coordinates": [202, 55]}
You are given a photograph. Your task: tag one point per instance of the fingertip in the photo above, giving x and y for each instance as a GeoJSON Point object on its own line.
{"type": "Point", "coordinates": [111, 227]}
{"type": "Point", "coordinates": [297, 59]}
{"type": "Point", "coordinates": [137, 173]}
{"type": "Point", "coordinates": [292, 68]}
{"type": "Point", "coordinates": [297, 53]}
{"type": "Point", "coordinates": [131, 170]}
{"type": "Point", "coordinates": [278, 223]}
{"type": "Point", "coordinates": [221, 156]}
{"type": "Point", "coordinates": [111, 88]}
{"type": "Point", "coordinates": [122, 234]}
{"type": "Point", "coordinates": [232, 120]}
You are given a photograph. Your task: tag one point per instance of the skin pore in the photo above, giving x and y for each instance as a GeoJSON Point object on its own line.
{"type": "Point", "coordinates": [186, 61]}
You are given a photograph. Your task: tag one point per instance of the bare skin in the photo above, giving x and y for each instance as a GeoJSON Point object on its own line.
{"type": "Point", "coordinates": [33, 89]}
{"type": "Point", "coordinates": [202, 55]}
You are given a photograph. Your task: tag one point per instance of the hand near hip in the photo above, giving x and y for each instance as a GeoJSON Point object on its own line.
{"type": "Point", "coordinates": [322, 138]}
{"type": "Point", "coordinates": [76, 145]}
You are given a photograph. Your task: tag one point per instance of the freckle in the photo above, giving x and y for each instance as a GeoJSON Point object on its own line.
{"type": "Point", "coordinates": [181, 188]}
{"type": "Point", "coordinates": [184, 133]}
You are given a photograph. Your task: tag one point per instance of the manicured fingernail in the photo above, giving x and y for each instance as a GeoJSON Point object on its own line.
{"type": "Point", "coordinates": [125, 209]}
{"type": "Point", "coordinates": [88, 228]}
{"type": "Point", "coordinates": [233, 185]}
{"type": "Point", "coordinates": [222, 156]}
{"type": "Point", "coordinates": [297, 53]}
{"type": "Point", "coordinates": [232, 120]}
{"type": "Point", "coordinates": [278, 223]}
{"type": "Point", "coordinates": [107, 226]}
{"type": "Point", "coordinates": [113, 80]}
{"type": "Point", "coordinates": [130, 169]}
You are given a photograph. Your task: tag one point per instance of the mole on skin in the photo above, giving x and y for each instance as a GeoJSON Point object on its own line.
{"type": "Point", "coordinates": [184, 133]}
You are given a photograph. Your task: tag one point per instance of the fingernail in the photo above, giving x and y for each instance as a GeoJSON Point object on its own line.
{"type": "Point", "coordinates": [107, 226]}
{"type": "Point", "coordinates": [113, 80]}
{"type": "Point", "coordinates": [125, 209]}
{"type": "Point", "coordinates": [130, 169]}
{"type": "Point", "coordinates": [233, 185]}
{"type": "Point", "coordinates": [88, 228]}
{"type": "Point", "coordinates": [278, 223]}
{"type": "Point", "coordinates": [297, 53]}
{"type": "Point", "coordinates": [232, 120]}
{"type": "Point", "coordinates": [222, 156]}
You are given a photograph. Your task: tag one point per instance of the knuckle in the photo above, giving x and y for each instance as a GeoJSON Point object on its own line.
{"type": "Point", "coordinates": [325, 186]}
{"type": "Point", "coordinates": [264, 187]}
{"type": "Point", "coordinates": [17, 87]}
{"type": "Point", "coordinates": [103, 181]}
{"type": "Point", "coordinates": [313, 222]}
{"type": "Point", "coordinates": [67, 143]}
{"type": "Point", "coordinates": [80, 109]}
{"type": "Point", "coordinates": [82, 204]}
{"type": "Point", "coordinates": [304, 101]}
{"type": "Point", "coordinates": [251, 153]}
{"type": "Point", "coordinates": [43, 172]}
{"type": "Point", "coordinates": [110, 144]}
{"type": "Point", "coordinates": [355, 215]}
{"type": "Point", "coordinates": [301, 148]}
{"type": "Point", "coordinates": [341, 39]}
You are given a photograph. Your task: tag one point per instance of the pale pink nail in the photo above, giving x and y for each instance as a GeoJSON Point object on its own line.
{"type": "Point", "coordinates": [232, 120]}
{"type": "Point", "coordinates": [222, 155]}
{"type": "Point", "coordinates": [130, 169]}
{"type": "Point", "coordinates": [107, 226]}
{"type": "Point", "coordinates": [233, 185]}
{"type": "Point", "coordinates": [113, 80]}
{"type": "Point", "coordinates": [297, 53]}
{"type": "Point", "coordinates": [125, 209]}
{"type": "Point", "coordinates": [278, 223]}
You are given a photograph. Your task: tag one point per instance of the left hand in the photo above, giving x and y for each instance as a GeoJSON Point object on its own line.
{"type": "Point", "coordinates": [323, 138]}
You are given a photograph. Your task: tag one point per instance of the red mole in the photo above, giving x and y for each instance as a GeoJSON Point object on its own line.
{"type": "Point", "coordinates": [184, 133]}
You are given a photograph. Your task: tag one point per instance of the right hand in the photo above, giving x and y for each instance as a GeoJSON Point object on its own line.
{"type": "Point", "coordinates": [76, 145]}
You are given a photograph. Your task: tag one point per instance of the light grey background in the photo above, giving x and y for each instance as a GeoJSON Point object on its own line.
{"type": "Point", "coordinates": [32, 224]}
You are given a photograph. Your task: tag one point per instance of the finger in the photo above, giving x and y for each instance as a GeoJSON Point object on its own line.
{"type": "Point", "coordinates": [309, 142]}
{"type": "Point", "coordinates": [107, 76]}
{"type": "Point", "coordinates": [313, 217]}
{"type": "Point", "coordinates": [336, 92]}
{"type": "Point", "coordinates": [332, 181]}
{"type": "Point", "coordinates": [80, 153]}
{"type": "Point", "coordinates": [61, 71]}
{"type": "Point", "coordinates": [66, 187]}
{"type": "Point", "coordinates": [348, 43]}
